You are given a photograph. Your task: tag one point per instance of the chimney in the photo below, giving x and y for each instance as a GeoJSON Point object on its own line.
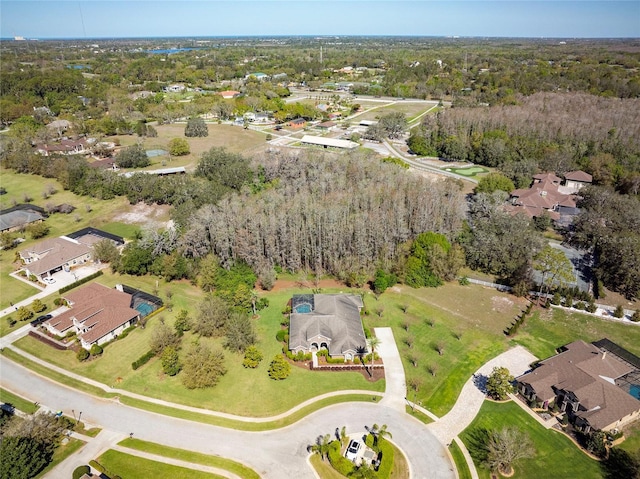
{"type": "Point", "coordinates": [119, 288]}
{"type": "Point", "coordinates": [604, 355]}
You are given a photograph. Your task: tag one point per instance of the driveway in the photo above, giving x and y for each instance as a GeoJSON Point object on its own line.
{"type": "Point", "coordinates": [516, 360]}
{"type": "Point", "coordinates": [395, 391]}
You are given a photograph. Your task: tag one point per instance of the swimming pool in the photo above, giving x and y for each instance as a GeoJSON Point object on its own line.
{"type": "Point", "coordinates": [303, 308]}
{"type": "Point", "coordinates": [634, 390]}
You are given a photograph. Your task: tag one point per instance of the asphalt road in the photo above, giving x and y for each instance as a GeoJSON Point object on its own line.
{"type": "Point", "coordinates": [273, 454]}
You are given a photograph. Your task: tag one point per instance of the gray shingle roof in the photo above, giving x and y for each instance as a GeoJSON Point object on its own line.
{"type": "Point", "coordinates": [335, 320]}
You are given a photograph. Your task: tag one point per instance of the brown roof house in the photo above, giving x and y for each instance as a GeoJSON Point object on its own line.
{"type": "Point", "coordinates": [327, 321]}
{"type": "Point", "coordinates": [97, 314]}
{"type": "Point", "coordinates": [577, 179]}
{"type": "Point", "coordinates": [545, 195]}
{"type": "Point", "coordinates": [596, 384]}
{"type": "Point", "coordinates": [54, 254]}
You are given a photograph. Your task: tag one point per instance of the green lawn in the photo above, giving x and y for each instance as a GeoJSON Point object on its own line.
{"type": "Point", "coordinates": [468, 171]}
{"type": "Point", "coordinates": [20, 403]}
{"type": "Point", "coordinates": [555, 453]}
{"type": "Point", "coordinates": [261, 395]}
{"type": "Point", "coordinates": [460, 461]}
{"type": "Point", "coordinates": [89, 212]}
{"type": "Point", "coordinates": [128, 466]}
{"type": "Point", "coordinates": [193, 457]}
{"type": "Point", "coordinates": [478, 314]}
{"type": "Point", "coordinates": [547, 330]}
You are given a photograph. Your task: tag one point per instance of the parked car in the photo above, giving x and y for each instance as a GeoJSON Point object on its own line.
{"type": "Point", "coordinates": [40, 319]}
{"type": "Point", "coordinates": [49, 280]}
{"type": "Point", "coordinates": [352, 450]}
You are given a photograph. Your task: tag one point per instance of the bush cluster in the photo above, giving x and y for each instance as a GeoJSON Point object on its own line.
{"type": "Point", "coordinates": [142, 360]}
{"type": "Point", "coordinates": [341, 464]}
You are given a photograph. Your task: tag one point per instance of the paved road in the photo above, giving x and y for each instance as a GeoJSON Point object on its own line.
{"type": "Point", "coordinates": [273, 454]}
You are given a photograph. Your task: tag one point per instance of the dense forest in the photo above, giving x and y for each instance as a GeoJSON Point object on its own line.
{"type": "Point", "coordinates": [520, 106]}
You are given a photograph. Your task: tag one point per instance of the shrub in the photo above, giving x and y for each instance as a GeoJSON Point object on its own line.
{"type": "Point", "coordinates": [280, 335]}
{"type": "Point", "coordinates": [97, 466]}
{"type": "Point", "coordinates": [580, 306]}
{"type": "Point", "coordinates": [464, 281]}
{"type": "Point", "coordinates": [557, 299]}
{"type": "Point", "coordinates": [80, 471]}
{"type": "Point", "coordinates": [38, 306]}
{"type": "Point", "coordinates": [82, 354]}
{"type": "Point", "coordinates": [142, 360]}
{"type": "Point", "coordinates": [24, 314]}
{"type": "Point", "coordinates": [96, 350]}
{"type": "Point", "coordinates": [170, 361]}
{"type": "Point", "coordinates": [252, 357]}
{"type": "Point", "coordinates": [568, 301]}
{"type": "Point", "coordinates": [11, 321]}
{"type": "Point", "coordinates": [618, 312]}
{"type": "Point", "coordinates": [636, 316]}
{"type": "Point", "coordinates": [179, 147]}
{"type": "Point", "coordinates": [279, 368]}
{"type": "Point", "coordinates": [591, 307]}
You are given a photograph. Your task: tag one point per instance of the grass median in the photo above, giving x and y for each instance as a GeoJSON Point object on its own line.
{"type": "Point", "coordinates": [194, 457]}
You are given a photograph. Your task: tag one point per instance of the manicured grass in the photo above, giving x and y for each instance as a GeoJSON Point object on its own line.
{"type": "Point", "coordinates": [547, 330]}
{"type": "Point", "coordinates": [61, 453]}
{"type": "Point", "coordinates": [418, 415]}
{"type": "Point", "coordinates": [323, 468]}
{"type": "Point", "coordinates": [468, 171]}
{"type": "Point", "coordinates": [242, 425]}
{"type": "Point", "coordinates": [408, 108]}
{"type": "Point", "coordinates": [127, 231]}
{"type": "Point", "coordinates": [632, 438]}
{"type": "Point", "coordinates": [554, 451]}
{"type": "Point", "coordinates": [20, 403]}
{"type": "Point", "coordinates": [460, 461]}
{"type": "Point", "coordinates": [128, 466]}
{"type": "Point", "coordinates": [193, 457]}
{"type": "Point", "coordinates": [261, 395]}
{"type": "Point", "coordinates": [400, 468]}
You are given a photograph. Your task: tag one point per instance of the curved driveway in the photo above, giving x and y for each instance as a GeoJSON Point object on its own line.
{"type": "Point", "coordinates": [273, 454]}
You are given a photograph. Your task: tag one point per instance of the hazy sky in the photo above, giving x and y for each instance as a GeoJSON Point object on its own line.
{"type": "Point", "coordinates": [512, 18]}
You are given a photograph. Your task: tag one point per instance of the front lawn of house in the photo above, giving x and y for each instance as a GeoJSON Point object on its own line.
{"type": "Point", "coordinates": [261, 395]}
{"type": "Point", "coordinates": [554, 451]}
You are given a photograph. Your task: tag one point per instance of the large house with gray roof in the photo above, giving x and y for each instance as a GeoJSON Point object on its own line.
{"type": "Point", "coordinates": [596, 384]}
{"type": "Point", "coordinates": [327, 321]}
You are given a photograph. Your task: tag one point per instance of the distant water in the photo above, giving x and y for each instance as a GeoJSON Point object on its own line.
{"type": "Point", "coordinates": [169, 51]}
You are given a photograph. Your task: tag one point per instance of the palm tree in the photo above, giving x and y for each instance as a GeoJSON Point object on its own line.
{"type": "Point", "coordinates": [379, 432]}
{"type": "Point", "coordinates": [373, 343]}
{"type": "Point", "coordinates": [321, 446]}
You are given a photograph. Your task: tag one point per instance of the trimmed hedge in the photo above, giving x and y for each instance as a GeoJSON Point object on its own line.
{"type": "Point", "coordinates": [341, 464]}
{"type": "Point", "coordinates": [142, 360]}
{"type": "Point", "coordinates": [80, 282]}
{"type": "Point", "coordinates": [80, 471]}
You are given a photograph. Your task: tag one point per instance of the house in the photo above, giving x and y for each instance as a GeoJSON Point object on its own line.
{"type": "Point", "coordinates": [228, 94]}
{"type": "Point", "coordinates": [90, 236]}
{"type": "Point", "coordinates": [64, 147]}
{"type": "Point", "coordinates": [545, 195]}
{"type": "Point", "coordinates": [575, 180]}
{"type": "Point", "coordinates": [298, 123]}
{"type": "Point", "coordinates": [59, 126]}
{"type": "Point", "coordinates": [176, 88]}
{"type": "Point", "coordinates": [327, 321]}
{"type": "Point", "coordinates": [596, 384]}
{"type": "Point", "coordinates": [20, 216]}
{"type": "Point", "coordinates": [54, 254]}
{"type": "Point", "coordinates": [97, 314]}
{"type": "Point", "coordinates": [326, 125]}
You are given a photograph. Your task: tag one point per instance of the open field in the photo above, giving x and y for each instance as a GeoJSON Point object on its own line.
{"type": "Point", "coordinates": [554, 451]}
{"type": "Point", "coordinates": [129, 466]}
{"type": "Point", "coordinates": [408, 108]}
{"type": "Point", "coordinates": [234, 138]}
{"type": "Point", "coordinates": [193, 457]}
